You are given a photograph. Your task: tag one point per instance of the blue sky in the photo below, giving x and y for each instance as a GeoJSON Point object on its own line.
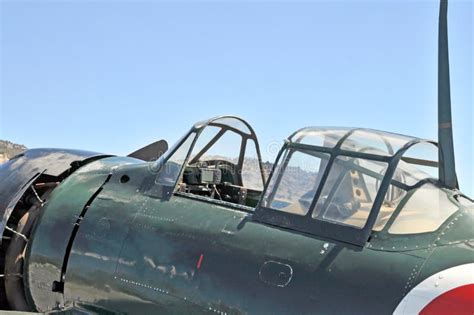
{"type": "Point", "coordinates": [113, 76]}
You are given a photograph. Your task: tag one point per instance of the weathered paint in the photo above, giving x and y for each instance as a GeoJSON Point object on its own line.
{"type": "Point", "coordinates": [135, 253]}
{"type": "Point", "coordinates": [18, 173]}
{"type": "Point", "coordinates": [47, 248]}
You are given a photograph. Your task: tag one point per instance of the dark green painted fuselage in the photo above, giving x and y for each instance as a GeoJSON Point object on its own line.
{"type": "Point", "coordinates": [135, 253]}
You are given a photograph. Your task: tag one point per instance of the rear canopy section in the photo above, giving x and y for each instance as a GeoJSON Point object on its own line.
{"type": "Point", "coordinates": [341, 183]}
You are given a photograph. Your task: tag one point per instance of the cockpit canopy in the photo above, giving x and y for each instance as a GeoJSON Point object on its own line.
{"type": "Point", "coordinates": [339, 183]}
{"type": "Point", "coordinates": [417, 158]}
{"type": "Point", "coordinates": [346, 182]}
{"type": "Point", "coordinates": [218, 159]}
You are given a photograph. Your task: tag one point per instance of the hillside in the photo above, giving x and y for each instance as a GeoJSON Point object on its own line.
{"type": "Point", "coordinates": [295, 183]}
{"type": "Point", "coordinates": [9, 150]}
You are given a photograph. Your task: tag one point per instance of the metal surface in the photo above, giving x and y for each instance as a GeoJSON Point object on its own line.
{"type": "Point", "coordinates": [17, 174]}
{"type": "Point", "coordinates": [137, 254]}
{"type": "Point", "coordinates": [49, 246]}
{"type": "Point", "coordinates": [134, 253]}
{"type": "Point", "coordinates": [151, 152]}
{"type": "Point", "coordinates": [447, 171]}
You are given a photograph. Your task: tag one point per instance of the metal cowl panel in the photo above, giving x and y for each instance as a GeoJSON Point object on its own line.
{"type": "Point", "coordinates": [17, 174]}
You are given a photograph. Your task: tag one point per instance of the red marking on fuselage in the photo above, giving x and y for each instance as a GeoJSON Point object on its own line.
{"type": "Point", "coordinates": [459, 301]}
{"type": "Point", "coordinates": [200, 261]}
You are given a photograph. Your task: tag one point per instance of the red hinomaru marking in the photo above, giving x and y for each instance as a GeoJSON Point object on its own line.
{"type": "Point", "coordinates": [200, 261]}
{"type": "Point", "coordinates": [459, 301]}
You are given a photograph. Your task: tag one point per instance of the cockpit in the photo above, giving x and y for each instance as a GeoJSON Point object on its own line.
{"type": "Point", "coordinates": [222, 162]}
{"type": "Point", "coordinates": [340, 183]}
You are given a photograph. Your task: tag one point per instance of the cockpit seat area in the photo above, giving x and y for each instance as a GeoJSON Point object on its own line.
{"type": "Point", "coordinates": [218, 180]}
{"type": "Point", "coordinates": [220, 160]}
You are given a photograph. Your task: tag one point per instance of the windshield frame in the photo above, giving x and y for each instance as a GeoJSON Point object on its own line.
{"type": "Point", "coordinates": [247, 135]}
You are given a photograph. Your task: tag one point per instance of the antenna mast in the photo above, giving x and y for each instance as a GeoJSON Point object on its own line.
{"type": "Point", "coordinates": [447, 169]}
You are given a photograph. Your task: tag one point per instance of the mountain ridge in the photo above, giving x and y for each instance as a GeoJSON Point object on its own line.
{"type": "Point", "coordinates": [9, 149]}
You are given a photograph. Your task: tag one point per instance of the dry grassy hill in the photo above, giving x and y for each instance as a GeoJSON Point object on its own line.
{"type": "Point", "coordinates": [9, 150]}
